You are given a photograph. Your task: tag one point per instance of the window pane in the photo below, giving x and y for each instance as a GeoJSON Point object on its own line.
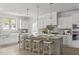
{"type": "Point", "coordinates": [8, 23]}
{"type": "Point", "coordinates": [5, 23]}
{"type": "Point", "coordinates": [13, 24]}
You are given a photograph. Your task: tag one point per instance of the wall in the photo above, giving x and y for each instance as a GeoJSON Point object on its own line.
{"type": "Point", "coordinates": [24, 23]}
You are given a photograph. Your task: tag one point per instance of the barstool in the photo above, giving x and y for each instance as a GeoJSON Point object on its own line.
{"type": "Point", "coordinates": [28, 45]}
{"type": "Point", "coordinates": [21, 42]}
{"type": "Point", "coordinates": [47, 47]}
{"type": "Point", "coordinates": [37, 46]}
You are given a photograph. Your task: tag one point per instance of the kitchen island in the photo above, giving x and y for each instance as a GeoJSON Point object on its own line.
{"type": "Point", "coordinates": [52, 44]}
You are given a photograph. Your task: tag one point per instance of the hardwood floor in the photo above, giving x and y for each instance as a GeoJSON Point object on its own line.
{"type": "Point", "coordinates": [70, 51]}
{"type": "Point", "coordinates": [14, 50]}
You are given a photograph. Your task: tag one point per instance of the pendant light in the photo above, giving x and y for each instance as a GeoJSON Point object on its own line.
{"type": "Point", "coordinates": [51, 13]}
{"type": "Point", "coordinates": [28, 29]}
{"type": "Point", "coordinates": [50, 27]}
{"type": "Point", "coordinates": [37, 13]}
{"type": "Point", "coordinates": [27, 13]}
{"type": "Point", "coordinates": [37, 17]}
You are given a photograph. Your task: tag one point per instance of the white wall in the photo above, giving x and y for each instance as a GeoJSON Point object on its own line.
{"type": "Point", "coordinates": [24, 23]}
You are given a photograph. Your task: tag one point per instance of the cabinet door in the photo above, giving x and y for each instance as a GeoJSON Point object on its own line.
{"type": "Point", "coordinates": [65, 40]}
{"type": "Point", "coordinates": [58, 46]}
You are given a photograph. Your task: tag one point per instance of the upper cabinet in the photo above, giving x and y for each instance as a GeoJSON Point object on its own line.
{"type": "Point", "coordinates": [65, 22]}
{"type": "Point", "coordinates": [75, 18]}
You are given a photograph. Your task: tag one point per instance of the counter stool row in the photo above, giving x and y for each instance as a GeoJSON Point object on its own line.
{"type": "Point", "coordinates": [40, 46]}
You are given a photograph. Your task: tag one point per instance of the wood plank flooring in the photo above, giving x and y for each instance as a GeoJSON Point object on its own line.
{"type": "Point", "coordinates": [14, 50]}
{"type": "Point", "coordinates": [70, 51]}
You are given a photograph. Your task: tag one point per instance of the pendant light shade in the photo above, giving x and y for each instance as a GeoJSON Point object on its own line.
{"type": "Point", "coordinates": [27, 13]}
{"type": "Point", "coordinates": [50, 27]}
{"type": "Point", "coordinates": [51, 13]}
{"type": "Point", "coordinates": [37, 17]}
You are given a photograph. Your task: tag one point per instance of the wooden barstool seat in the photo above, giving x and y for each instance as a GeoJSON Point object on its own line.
{"type": "Point", "coordinates": [47, 47]}
{"type": "Point", "coordinates": [37, 46]}
{"type": "Point", "coordinates": [28, 44]}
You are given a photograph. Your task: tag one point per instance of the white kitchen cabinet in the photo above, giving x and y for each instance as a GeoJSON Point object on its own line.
{"type": "Point", "coordinates": [65, 22]}
{"type": "Point", "coordinates": [67, 40]}
{"type": "Point", "coordinates": [58, 45]}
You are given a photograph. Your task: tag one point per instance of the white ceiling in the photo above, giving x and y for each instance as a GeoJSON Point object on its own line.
{"type": "Point", "coordinates": [20, 8]}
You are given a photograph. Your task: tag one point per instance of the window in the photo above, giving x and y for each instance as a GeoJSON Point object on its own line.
{"type": "Point", "coordinates": [8, 23]}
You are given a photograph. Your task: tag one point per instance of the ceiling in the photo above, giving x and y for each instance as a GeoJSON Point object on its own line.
{"type": "Point", "coordinates": [21, 8]}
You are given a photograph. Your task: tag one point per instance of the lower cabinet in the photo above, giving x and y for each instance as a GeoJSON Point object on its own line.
{"type": "Point", "coordinates": [57, 46]}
